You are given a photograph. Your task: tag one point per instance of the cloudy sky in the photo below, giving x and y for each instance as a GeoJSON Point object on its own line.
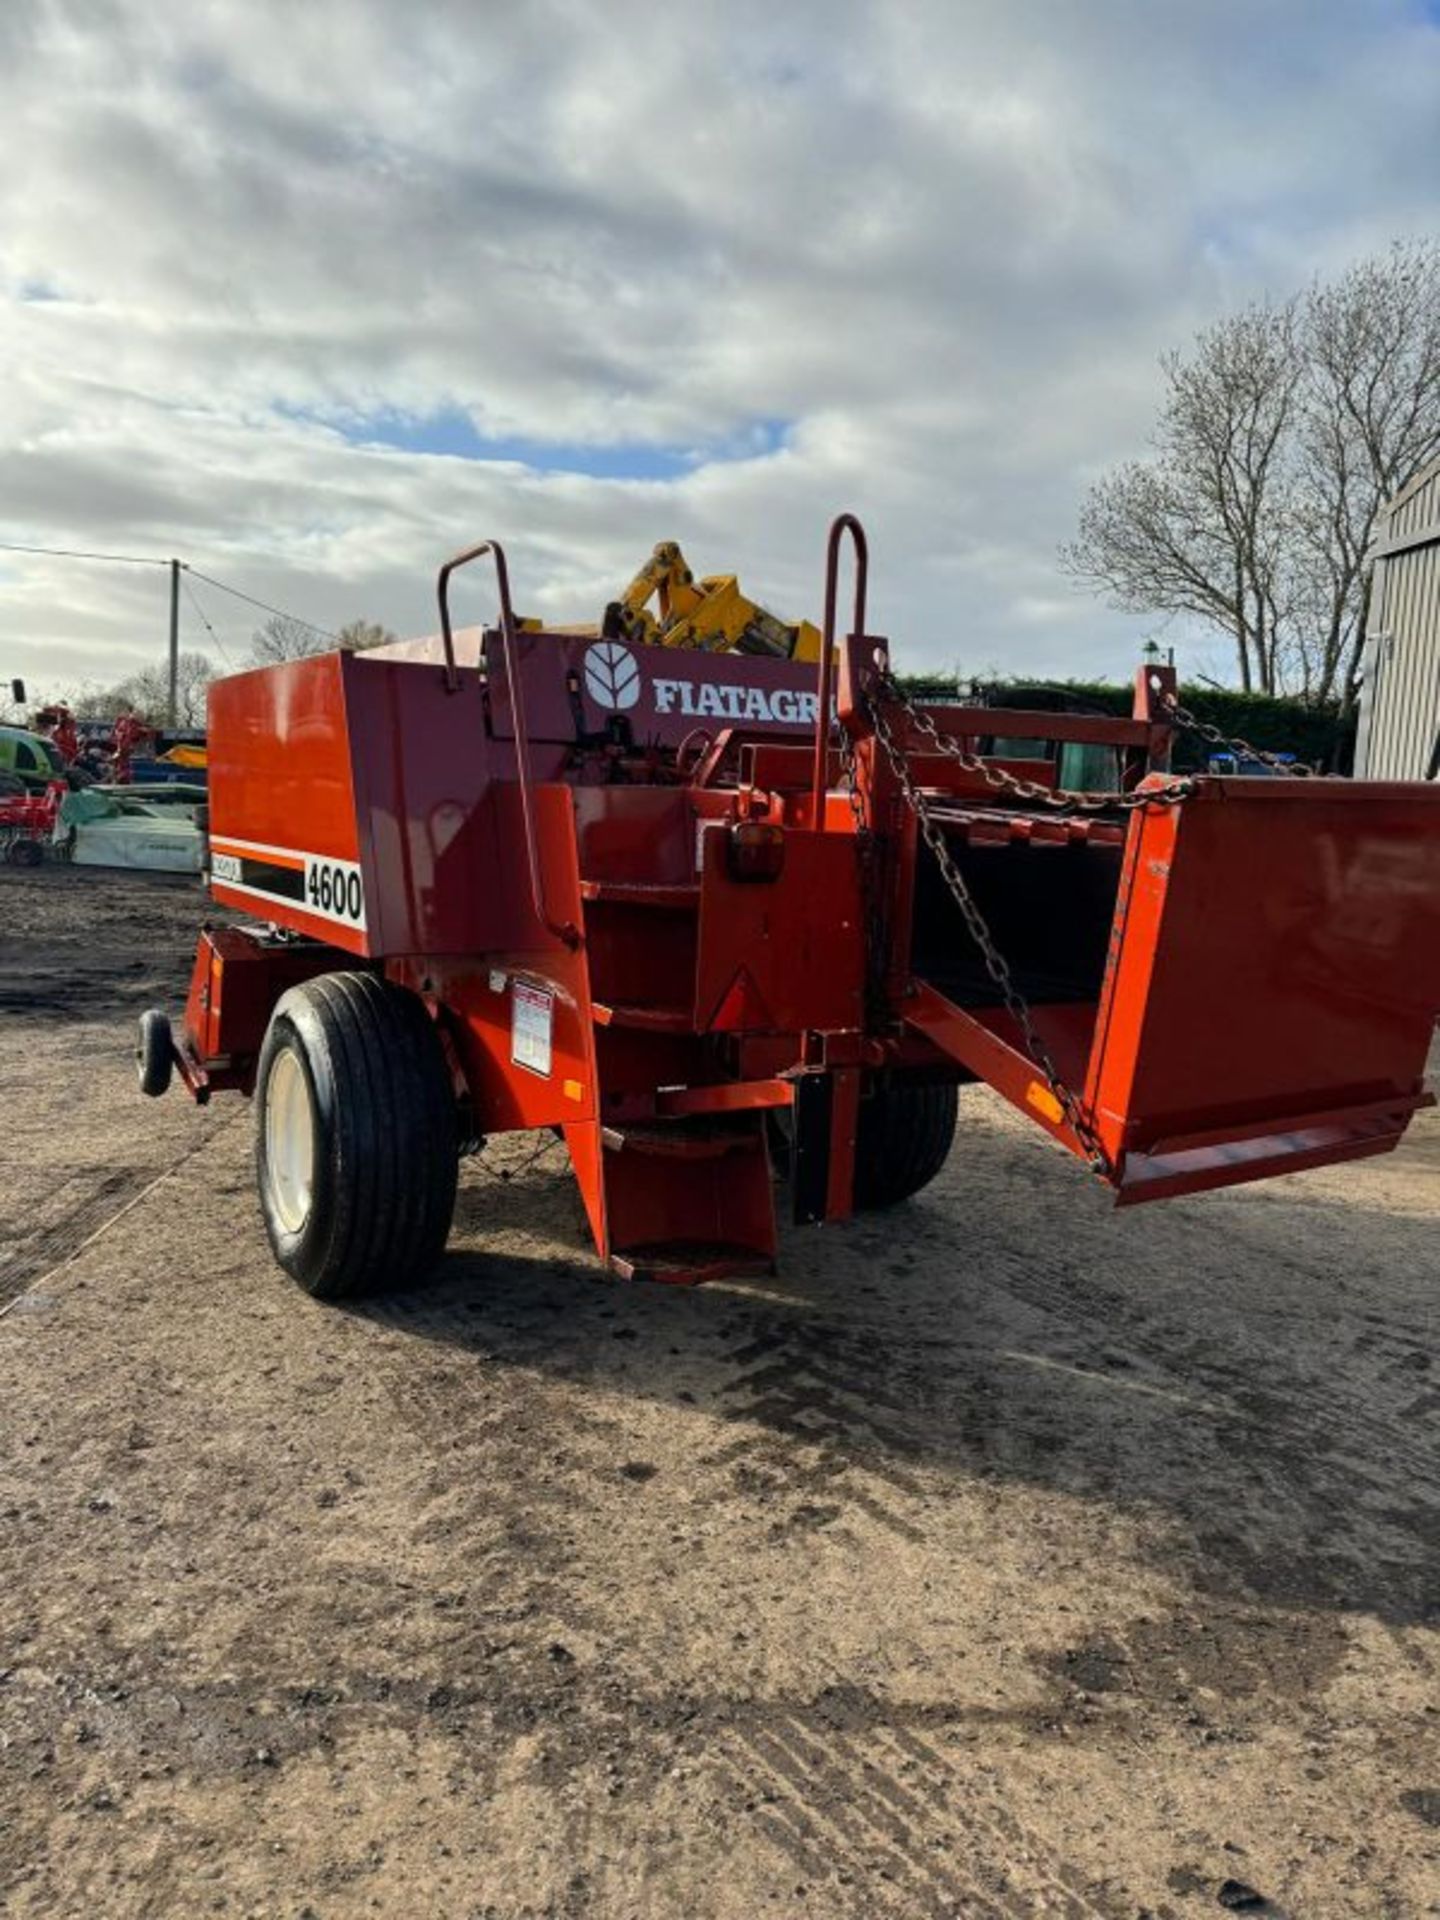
{"type": "Point", "coordinates": [313, 294]}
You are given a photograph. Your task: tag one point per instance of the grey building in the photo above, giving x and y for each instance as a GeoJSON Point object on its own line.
{"type": "Point", "coordinates": [1400, 697]}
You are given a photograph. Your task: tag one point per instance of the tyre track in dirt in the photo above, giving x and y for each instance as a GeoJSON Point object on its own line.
{"type": "Point", "coordinates": [73, 1208]}
{"type": "Point", "coordinates": [1343, 1461]}
{"type": "Point", "coordinates": [826, 1413]}
{"type": "Point", "coordinates": [844, 1419]}
{"type": "Point", "coordinates": [891, 1588]}
{"type": "Point", "coordinates": [883, 1807]}
{"type": "Point", "coordinates": [823, 1439]}
{"type": "Point", "coordinates": [81, 1208]}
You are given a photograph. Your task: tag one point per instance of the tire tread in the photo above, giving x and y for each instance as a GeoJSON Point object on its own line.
{"type": "Point", "coordinates": [905, 1135]}
{"type": "Point", "coordinates": [386, 1120]}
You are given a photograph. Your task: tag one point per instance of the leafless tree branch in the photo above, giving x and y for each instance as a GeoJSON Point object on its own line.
{"type": "Point", "coordinates": [1281, 434]}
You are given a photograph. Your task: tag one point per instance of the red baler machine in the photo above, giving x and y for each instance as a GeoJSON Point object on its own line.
{"type": "Point", "coordinates": [689, 909]}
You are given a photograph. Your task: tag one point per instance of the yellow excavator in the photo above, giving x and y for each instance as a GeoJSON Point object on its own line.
{"type": "Point", "coordinates": [710, 615]}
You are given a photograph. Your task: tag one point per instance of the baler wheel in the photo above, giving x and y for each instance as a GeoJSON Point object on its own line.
{"type": "Point", "coordinates": [154, 1053]}
{"type": "Point", "coordinates": [905, 1136]}
{"type": "Point", "coordinates": [356, 1144]}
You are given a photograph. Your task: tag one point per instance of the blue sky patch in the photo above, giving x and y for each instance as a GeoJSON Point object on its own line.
{"type": "Point", "coordinates": [450, 431]}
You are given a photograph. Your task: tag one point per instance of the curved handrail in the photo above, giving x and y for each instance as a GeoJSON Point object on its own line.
{"type": "Point", "coordinates": [442, 590]}
{"type": "Point", "coordinates": [843, 523]}
{"type": "Point", "coordinates": [562, 929]}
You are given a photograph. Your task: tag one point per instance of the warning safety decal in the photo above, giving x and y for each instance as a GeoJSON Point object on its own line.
{"type": "Point", "coordinates": [532, 1015]}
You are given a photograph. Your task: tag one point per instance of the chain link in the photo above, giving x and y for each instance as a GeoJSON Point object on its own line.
{"type": "Point", "coordinates": [1002, 781]}
{"type": "Point", "coordinates": [1241, 749]}
{"type": "Point", "coordinates": [1061, 798]}
{"type": "Point", "coordinates": [996, 965]}
{"type": "Point", "coordinates": [850, 780]}
{"type": "Point", "coordinates": [887, 695]}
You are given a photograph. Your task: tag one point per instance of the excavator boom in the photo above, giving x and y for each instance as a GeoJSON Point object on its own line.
{"type": "Point", "coordinates": [710, 615]}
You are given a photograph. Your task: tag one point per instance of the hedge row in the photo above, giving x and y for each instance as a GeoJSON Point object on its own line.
{"type": "Point", "coordinates": [1321, 736]}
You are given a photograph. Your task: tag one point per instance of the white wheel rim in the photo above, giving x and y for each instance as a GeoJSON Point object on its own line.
{"type": "Point", "coordinates": [290, 1141]}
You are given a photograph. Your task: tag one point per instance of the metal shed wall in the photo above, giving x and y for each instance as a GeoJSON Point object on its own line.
{"type": "Point", "coordinates": [1400, 699]}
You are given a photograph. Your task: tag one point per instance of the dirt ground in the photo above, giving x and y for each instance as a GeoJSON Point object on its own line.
{"type": "Point", "coordinates": [1006, 1556]}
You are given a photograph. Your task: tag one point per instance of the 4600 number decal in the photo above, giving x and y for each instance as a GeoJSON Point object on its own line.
{"type": "Point", "coordinates": [334, 890]}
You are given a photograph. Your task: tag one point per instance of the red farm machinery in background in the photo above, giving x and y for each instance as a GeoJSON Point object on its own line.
{"type": "Point", "coordinates": [27, 824]}
{"type": "Point", "coordinates": [680, 907]}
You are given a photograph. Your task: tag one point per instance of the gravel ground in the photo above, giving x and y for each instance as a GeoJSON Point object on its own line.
{"type": "Point", "coordinates": [1007, 1556]}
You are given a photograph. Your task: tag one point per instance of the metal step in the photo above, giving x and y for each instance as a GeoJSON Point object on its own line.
{"type": "Point", "coordinates": [989, 827]}
{"type": "Point", "coordinates": [668, 898]}
{"type": "Point", "coordinates": [679, 1140]}
{"type": "Point", "coordinates": [643, 1019]}
{"type": "Point", "coordinates": [724, 1096]}
{"type": "Point", "coordinates": [684, 1263]}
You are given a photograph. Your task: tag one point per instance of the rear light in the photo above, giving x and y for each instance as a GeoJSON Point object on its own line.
{"type": "Point", "coordinates": [756, 850]}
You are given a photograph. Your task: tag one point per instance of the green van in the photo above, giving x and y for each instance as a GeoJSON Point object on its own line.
{"type": "Point", "coordinates": [35, 760]}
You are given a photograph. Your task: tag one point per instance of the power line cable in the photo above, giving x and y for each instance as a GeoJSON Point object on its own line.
{"type": "Point", "coordinates": [194, 601]}
{"type": "Point", "coordinates": [147, 560]}
{"type": "Point", "coordinates": [76, 553]}
{"type": "Point", "coordinates": [264, 605]}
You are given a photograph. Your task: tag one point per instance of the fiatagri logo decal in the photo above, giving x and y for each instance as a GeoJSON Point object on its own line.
{"type": "Point", "coordinates": [612, 675]}
{"type": "Point", "coordinates": [612, 679]}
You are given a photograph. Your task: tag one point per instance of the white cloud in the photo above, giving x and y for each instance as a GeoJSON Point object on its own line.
{"type": "Point", "coordinates": [943, 242]}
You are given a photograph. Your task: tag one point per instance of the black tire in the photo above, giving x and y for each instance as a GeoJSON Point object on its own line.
{"type": "Point", "coordinates": [25, 853]}
{"type": "Point", "coordinates": [383, 1141]}
{"type": "Point", "coordinates": [904, 1138]}
{"type": "Point", "coordinates": [154, 1053]}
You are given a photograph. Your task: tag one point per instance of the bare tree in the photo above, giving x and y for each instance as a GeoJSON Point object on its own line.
{"type": "Point", "coordinates": [357, 634]}
{"type": "Point", "coordinates": [98, 704]}
{"type": "Point", "coordinates": [1197, 528]}
{"type": "Point", "coordinates": [148, 691]}
{"type": "Point", "coordinates": [285, 638]}
{"type": "Point", "coordinates": [1279, 437]}
{"type": "Point", "coordinates": [1370, 420]}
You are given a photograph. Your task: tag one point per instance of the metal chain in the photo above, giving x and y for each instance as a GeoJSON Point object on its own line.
{"type": "Point", "coordinates": [850, 780]}
{"type": "Point", "coordinates": [1002, 781]}
{"type": "Point", "coordinates": [888, 693]}
{"type": "Point", "coordinates": [1183, 717]}
{"type": "Point", "coordinates": [995, 963]}
{"type": "Point", "coordinates": [1176, 791]}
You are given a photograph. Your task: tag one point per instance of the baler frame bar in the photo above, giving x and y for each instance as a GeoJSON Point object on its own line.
{"type": "Point", "coordinates": [564, 930]}
{"type": "Point", "coordinates": [842, 524]}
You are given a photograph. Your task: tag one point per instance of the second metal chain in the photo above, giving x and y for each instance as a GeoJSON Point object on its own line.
{"type": "Point", "coordinates": [995, 962]}
{"type": "Point", "coordinates": [1002, 781]}
{"type": "Point", "coordinates": [1240, 749]}
{"type": "Point", "coordinates": [888, 693]}
{"type": "Point", "coordinates": [1059, 797]}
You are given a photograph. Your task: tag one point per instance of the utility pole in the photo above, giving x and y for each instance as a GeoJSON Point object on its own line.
{"type": "Point", "coordinates": [174, 705]}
